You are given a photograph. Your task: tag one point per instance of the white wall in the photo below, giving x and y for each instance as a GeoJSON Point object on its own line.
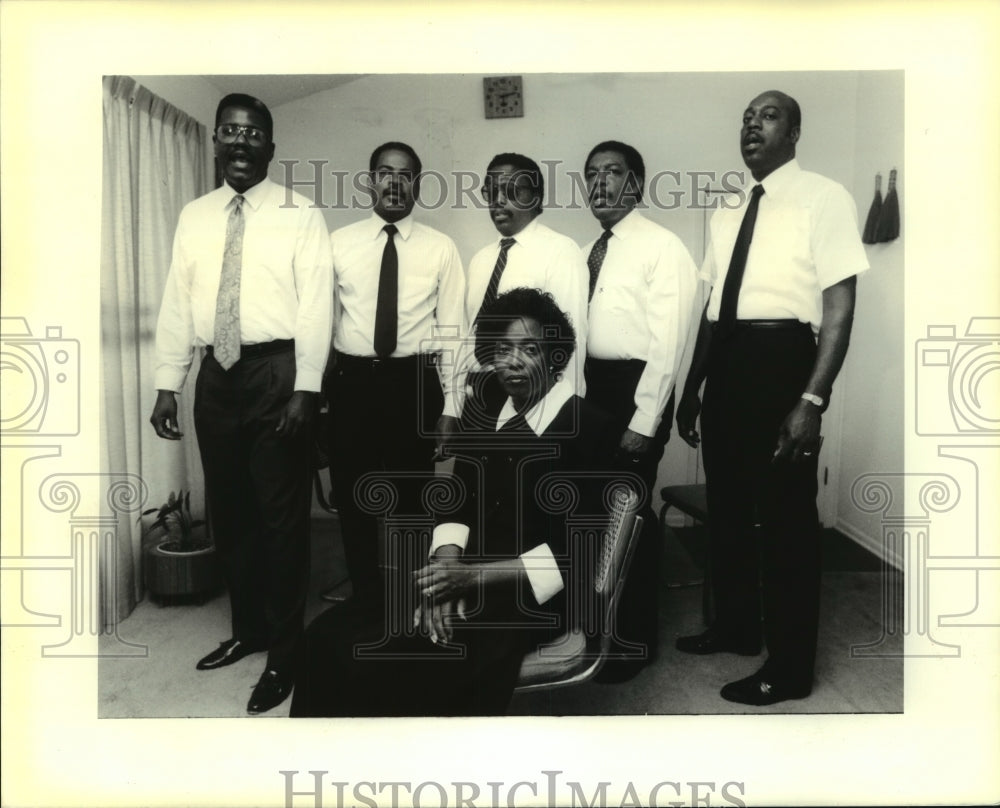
{"type": "Point", "coordinates": [872, 378]}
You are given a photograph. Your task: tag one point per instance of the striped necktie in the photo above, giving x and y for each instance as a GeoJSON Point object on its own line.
{"type": "Point", "coordinates": [494, 285]}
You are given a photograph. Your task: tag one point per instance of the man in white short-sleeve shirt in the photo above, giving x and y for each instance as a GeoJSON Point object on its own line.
{"type": "Point", "coordinates": [783, 267]}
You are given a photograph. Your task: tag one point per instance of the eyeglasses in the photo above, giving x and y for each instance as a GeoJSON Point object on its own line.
{"type": "Point", "coordinates": [512, 189]}
{"type": "Point", "coordinates": [228, 133]}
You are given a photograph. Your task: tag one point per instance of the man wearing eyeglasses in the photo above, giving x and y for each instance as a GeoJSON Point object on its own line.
{"type": "Point", "coordinates": [251, 282]}
{"type": "Point", "coordinates": [400, 292]}
{"type": "Point", "coordinates": [527, 254]}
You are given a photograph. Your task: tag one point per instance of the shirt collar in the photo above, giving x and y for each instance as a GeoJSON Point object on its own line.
{"type": "Point", "coordinates": [253, 195]}
{"type": "Point", "coordinates": [404, 226]}
{"type": "Point", "coordinates": [541, 416]}
{"type": "Point", "coordinates": [779, 179]}
{"type": "Point", "coordinates": [527, 233]}
{"type": "Point", "coordinates": [627, 225]}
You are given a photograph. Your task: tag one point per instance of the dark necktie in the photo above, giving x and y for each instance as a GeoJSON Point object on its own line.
{"type": "Point", "coordinates": [388, 294]}
{"type": "Point", "coordinates": [226, 339]}
{"type": "Point", "coordinates": [494, 285]}
{"type": "Point", "coordinates": [596, 259]}
{"type": "Point", "coordinates": [738, 263]}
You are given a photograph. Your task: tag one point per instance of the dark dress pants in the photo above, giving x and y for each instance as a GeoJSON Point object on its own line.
{"type": "Point", "coordinates": [258, 487]}
{"type": "Point", "coordinates": [755, 379]}
{"type": "Point", "coordinates": [382, 416]}
{"type": "Point", "coordinates": [611, 386]}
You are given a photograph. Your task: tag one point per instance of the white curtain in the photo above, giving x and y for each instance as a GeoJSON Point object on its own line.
{"type": "Point", "coordinates": [156, 160]}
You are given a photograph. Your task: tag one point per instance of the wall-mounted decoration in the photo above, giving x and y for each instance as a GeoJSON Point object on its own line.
{"type": "Point", "coordinates": [503, 97]}
{"type": "Point", "coordinates": [871, 223]}
{"type": "Point", "coordinates": [888, 220]}
{"type": "Point", "coordinates": [882, 223]}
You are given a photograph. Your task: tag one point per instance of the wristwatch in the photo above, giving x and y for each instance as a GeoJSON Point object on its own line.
{"type": "Point", "coordinates": [812, 399]}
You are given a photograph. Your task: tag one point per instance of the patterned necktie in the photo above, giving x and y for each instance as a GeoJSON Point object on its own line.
{"type": "Point", "coordinates": [386, 326]}
{"type": "Point", "coordinates": [226, 341]}
{"type": "Point", "coordinates": [596, 259]}
{"type": "Point", "coordinates": [494, 285]}
{"type": "Point", "coordinates": [738, 263]}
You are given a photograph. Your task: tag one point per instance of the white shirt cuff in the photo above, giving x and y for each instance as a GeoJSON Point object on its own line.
{"type": "Point", "coordinates": [543, 572]}
{"type": "Point", "coordinates": [449, 533]}
{"type": "Point", "coordinates": [311, 381]}
{"type": "Point", "coordinates": [644, 424]}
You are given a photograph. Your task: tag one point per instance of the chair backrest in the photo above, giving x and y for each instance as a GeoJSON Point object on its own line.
{"type": "Point", "coordinates": [618, 543]}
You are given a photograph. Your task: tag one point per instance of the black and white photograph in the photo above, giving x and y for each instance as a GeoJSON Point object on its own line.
{"type": "Point", "coordinates": [453, 417]}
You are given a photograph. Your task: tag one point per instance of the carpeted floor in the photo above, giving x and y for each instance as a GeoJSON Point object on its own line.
{"type": "Point", "coordinates": [165, 683]}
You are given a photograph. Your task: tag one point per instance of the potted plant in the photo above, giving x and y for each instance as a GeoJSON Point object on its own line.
{"type": "Point", "coordinates": [179, 559]}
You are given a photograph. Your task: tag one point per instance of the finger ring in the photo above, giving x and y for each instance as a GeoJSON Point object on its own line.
{"type": "Point", "coordinates": [807, 454]}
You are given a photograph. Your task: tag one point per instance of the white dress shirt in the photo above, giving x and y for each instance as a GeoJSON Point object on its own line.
{"type": "Point", "coordinates": [805, 240]}
{"type": "Point", "coordinates": [431, 308]}
{"type": "Point", "coordinates": [538, 562]}
{"type": "Point", "coordinates": [641, 309]}
{"type": "Point", "coordinates": [540, 258]}
{"type": "Point", "coordinates": [286, 282]}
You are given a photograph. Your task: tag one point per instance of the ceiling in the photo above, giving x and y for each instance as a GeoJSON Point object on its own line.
{"type": "Point", "coordinates": [275, 90]}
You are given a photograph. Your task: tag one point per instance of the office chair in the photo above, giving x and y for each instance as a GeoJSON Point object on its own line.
{"type": "Point", "coordinates": [579, 654]}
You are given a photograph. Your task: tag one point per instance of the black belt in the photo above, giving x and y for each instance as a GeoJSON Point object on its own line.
{"type": "Point", "coordinates": [259, 349]}
{"type": "Point", "coordinates": [593, 360]}
{"type": "Point", "coordinates": [373, 364]}
{"type": "Point", "coordinates": [785, 323]}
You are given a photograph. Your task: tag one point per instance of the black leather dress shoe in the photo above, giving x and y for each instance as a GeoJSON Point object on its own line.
{"type": "Point", "coordinates": [271, 689]}
{"type": "Point", "coordinates": [713, 641]}
{"type": "Point", "coordinates": [227, 653]}
{"type": "Point", "coordinates": [760, 691]}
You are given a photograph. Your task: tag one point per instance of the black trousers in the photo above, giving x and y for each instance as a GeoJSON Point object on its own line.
{"type": "Point", "coordinates": [755, 378]}
{"type": "Point", "coordinates": [611, 386]}
{"type": "Point", "coordinates": [258, 486]}
{"type": "Point", "coordinates": [382, 416]}
{"type": "Point", "coordinates": [351, 666]}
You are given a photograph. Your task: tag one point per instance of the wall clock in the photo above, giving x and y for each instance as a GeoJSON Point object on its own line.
{"type": "Point", "coordinates": [503, 97]}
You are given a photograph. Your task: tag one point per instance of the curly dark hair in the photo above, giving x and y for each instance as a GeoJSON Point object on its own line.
{"type": "Point", "coordinates": [522, 302]}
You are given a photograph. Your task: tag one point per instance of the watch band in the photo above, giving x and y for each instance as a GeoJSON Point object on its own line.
{"type": "Point", "coordinates": [813, 399]}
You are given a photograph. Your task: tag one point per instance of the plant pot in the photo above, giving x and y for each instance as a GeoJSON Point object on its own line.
{"type": "Point", "coordinates": [171, 574]}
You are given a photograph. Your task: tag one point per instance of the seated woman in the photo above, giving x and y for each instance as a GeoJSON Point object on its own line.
{"type": "Point", "coordinates": [499, 569]}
